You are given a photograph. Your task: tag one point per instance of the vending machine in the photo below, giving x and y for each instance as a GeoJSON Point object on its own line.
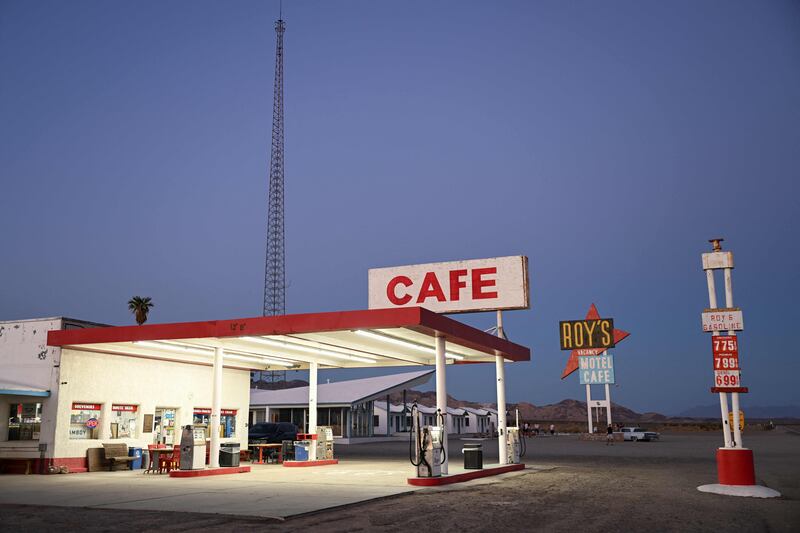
{"type": "Point", "coordinates": [193, 447]}
{"type": "Point", "coordinates": [324, 442]}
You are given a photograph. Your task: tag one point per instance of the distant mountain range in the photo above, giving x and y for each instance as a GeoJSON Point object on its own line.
{"type": "Point", "coordinates": [765, 412]}
{"type": "Point", "coordinates": [569, 410]}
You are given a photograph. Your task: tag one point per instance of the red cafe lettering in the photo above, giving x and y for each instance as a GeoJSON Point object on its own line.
{"type": "Point", "coordinates": [401, 290]}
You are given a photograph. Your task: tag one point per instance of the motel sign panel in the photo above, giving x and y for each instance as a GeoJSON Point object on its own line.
{"type": "Point", "coordinates": [596, 369]}
{"type": "Point", "coordinates": [453, 287]}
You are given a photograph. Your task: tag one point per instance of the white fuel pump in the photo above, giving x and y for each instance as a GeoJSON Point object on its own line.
{"type": "Point", "coordinates": [426, 445]}
{"type": "Point", "coordinates": [516, 446]}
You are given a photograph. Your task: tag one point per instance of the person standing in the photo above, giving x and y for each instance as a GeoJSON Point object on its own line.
{"type": "Point", "coordinates": [610, 435]}
{"type": "Point", "coordinates": [552, 429]}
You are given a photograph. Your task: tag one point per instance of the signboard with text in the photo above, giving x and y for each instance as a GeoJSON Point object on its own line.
{"type": "Point", "coordinates": [723, 320]}
{"type": "Point", "coordinates": [596, 369]}
{"type": "Point", "coordinates": [453, 287]}
{"type": "Point", "coordinates": [586, 334]}
{"type": "Point", "coordinates": [726, 361]}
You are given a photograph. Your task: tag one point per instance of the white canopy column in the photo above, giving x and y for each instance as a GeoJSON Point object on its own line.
{"type": "Point", "coordinates": [216, 401]}
{"type": "Point", "coordinates": [501, 409]}
{"type": "Point", "coordinates": [312, 407]}
{"type": "Point", "coordinates": [441, 394]}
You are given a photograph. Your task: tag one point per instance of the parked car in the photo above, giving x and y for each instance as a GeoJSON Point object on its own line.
{"type": "Point", "coordinates": [272, 432]}
{"type": "Point", "coordinates": [634, 434]}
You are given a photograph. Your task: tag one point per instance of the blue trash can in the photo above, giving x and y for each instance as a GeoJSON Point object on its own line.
{"type": "Point", "coordinates": [301, 451]}
{"type": "Point", "coordinates": [136, 453]}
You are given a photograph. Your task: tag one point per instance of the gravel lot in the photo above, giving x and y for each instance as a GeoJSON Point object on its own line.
{"type": "Point", "coordinates": [576, 486]}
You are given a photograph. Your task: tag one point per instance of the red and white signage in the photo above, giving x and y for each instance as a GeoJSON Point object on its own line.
{"type": "Point", "coordinates": [124, 407]}
{"type": "Point", "coordinates": [723, 320]}
{"type": "Point", "coordinates": [85, 406]}
{"type": "Point", "coordinates": [453, 287]}
{"type": "Point", "coordinates": [726, 361]}
{"type": "Point", "coordinates": [207, 411]}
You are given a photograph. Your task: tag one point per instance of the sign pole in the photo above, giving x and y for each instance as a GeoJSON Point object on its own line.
{"type": "Point", "coordinates": [723, 397]}
{"type": "Point", "coordinates": [735, 466]}
{"type": "Point", "coordinates": [608, 405]}
{"type": "Point", "coordinates": [501, 397]}
{"type": "Point", "coordinates": [737, 432]}
{"type": "Point", "coordinates": [589, 406]}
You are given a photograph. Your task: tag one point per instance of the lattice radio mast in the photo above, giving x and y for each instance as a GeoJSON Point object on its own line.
{"type": "Point", "coordinates": [275, 268]}
{"type": "Point", "coordinates": [275, 271]}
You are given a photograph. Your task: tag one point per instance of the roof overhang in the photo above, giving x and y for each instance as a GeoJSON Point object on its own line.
{"type": "Point", "coordinates": [346, 339]}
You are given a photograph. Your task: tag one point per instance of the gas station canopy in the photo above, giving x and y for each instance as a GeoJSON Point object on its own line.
{"type": "Point", "coordinates": [346, 339]}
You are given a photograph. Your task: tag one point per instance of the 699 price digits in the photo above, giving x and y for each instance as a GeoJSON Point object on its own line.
{"type": "Point", "coordinates": [727, 379]}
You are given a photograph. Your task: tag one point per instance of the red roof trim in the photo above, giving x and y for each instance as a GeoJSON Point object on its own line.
{"type": "Point", "coordinates": [415, 318]}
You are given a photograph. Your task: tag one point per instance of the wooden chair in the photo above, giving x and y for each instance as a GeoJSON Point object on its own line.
{"type": "Point", "coordinates": [151, 467]}
{"type": "Point", "coordinates": [170, 462]}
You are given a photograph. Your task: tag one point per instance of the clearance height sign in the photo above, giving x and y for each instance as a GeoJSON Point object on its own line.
{"type": "Point", "coordinates": [453, 287]}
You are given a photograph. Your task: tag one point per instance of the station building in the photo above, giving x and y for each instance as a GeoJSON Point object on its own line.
{"type": "Point", "coordinates": [68, 385]}
{"type": "Point", "coordinates": [58, 402]}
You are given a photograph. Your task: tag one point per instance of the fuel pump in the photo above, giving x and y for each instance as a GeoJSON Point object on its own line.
{"type": "Point", "coordinates": [426, 445]}
{"type": "Point", "coordinates": [516, 447]}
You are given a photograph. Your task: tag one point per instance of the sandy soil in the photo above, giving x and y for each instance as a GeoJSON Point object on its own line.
{"type": "Point", "coordinates": [618, 488]}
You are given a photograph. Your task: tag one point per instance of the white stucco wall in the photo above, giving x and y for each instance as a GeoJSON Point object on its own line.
{"type": "Point", "coordinates": [28, 363]}
{"type": "Point", "coordinates": [106, 379]}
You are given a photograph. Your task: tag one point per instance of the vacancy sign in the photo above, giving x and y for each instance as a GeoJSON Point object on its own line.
{"type": "Point", "coordinates": [723, 320]}
{"type": "Point", "coordinates": [596, 369]}
{"type": "Point", "coordinates": [726, 361]}
{"type": "Point", "coordinates": [453, 287]}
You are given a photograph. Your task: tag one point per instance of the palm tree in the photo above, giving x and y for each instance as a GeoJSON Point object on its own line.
{"type": "Point", "coordinates": [140, 307]}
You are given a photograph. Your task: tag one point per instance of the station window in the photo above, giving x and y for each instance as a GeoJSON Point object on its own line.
{"type": "Point", "coordinates": [376, 420]}
{"type": "Point", "coordinates": [466, 421]}
{"type": "Point", "coordinates": [227, 422]}
{"type": "Point", "coordinates": [123, 421]}
{"type": "Point", "coordinates": [84, 420]}
{"type": "Point", "coordinates": [24, 421]}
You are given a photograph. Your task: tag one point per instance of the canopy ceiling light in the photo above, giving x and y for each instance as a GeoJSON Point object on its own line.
{"type": "Point", "coordinates": [176, 347]}
{"type": "Point", "coordinates": [308, 349]}
{"type": "Point", "coordinates": [407, 344]}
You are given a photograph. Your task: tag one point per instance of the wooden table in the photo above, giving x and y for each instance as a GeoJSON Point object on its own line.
{"type": "Point", "coordinates": [261, 447]}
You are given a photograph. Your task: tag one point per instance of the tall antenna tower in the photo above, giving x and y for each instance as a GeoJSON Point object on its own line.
{"type": "Point", "coordinates": [275, 271]}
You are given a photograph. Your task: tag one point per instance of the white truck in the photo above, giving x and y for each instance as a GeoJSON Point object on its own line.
{"type": "Point", "coordinates": [635, 434]}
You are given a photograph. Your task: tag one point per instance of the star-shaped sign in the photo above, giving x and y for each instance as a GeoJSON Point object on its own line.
{"type": "Point", "coordinates": [572, 362]}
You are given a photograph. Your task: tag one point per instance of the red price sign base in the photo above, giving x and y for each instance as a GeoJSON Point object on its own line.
{"type": "Point", "coordinates": [743, 390]}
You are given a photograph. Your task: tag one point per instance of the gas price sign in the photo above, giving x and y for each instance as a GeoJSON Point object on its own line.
{"type": "Point", "coordinates": [726, 361]}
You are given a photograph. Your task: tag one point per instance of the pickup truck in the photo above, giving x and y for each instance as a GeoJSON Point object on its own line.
{"type": "Point", "coordinates": [635, 434]}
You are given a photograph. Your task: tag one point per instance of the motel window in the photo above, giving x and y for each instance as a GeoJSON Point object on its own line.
{"type": "Point", "coordinates": [466, 421]}
{"type": "Point", "coordinates": [376, 420]}
{"type": "Point", "coordinates": [123, 420]}
{"type": "Point", "coordinates": [24, 421]}
{"type": "Point", "coordinates": [84, 421]}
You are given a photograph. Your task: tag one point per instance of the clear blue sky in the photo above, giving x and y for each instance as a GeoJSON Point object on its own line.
{"type": "Point", "coordinates": [606, 141]}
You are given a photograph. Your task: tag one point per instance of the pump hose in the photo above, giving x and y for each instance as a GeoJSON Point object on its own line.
{"type": "Point", "coordinates": [412, 434]}
{"type": "Point", "coordinates": [444, 434]}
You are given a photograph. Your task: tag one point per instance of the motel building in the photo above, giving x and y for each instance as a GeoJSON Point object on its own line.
{"type": "Point", "coordinates": [69, 386]}
{"type": "Point", "coordinates": [351, 408]}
